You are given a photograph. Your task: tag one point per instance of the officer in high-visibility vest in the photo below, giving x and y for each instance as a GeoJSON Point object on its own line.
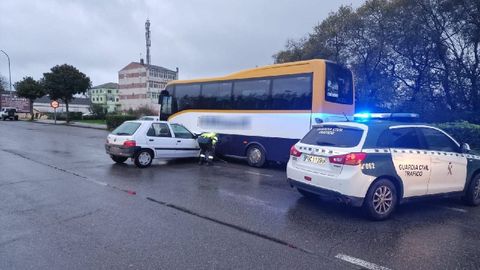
{"type": "Point", "coordinates": [207, 142]}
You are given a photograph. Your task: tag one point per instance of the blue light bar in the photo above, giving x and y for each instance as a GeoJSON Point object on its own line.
{"type": "Point", "coordinates": [386, 116]}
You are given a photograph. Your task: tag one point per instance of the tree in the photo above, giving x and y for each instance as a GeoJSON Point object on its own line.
{"type": "Point", "coordinates": [31, 90]}
{"type": "Point", "coordinates": [65, 81]}
{"type": "Point", "coordinates": [3, 84]}
{"type": "Point", "coordinates": [98, 110]}
{"type": "Point", "coordinates": [421, 56]}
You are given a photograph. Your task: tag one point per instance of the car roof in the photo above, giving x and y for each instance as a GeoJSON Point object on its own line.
{"type": "Point", "coordinates": [146, 121]}
{"type": "Point", "coordinates": [376, 128]}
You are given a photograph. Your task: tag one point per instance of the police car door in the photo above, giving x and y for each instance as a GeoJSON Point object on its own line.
{"type": "Point", "coordinates": [449, 167]}
{"type": "Point", "coordinates": [412, 163]}
{"type": "Point", "coordinates": [160, 137]}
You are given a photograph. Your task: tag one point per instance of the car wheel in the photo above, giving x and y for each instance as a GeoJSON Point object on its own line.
{"type": "Point", "coordinates": [143, 158]}
{"type": "Point", "coordinates": [118, 159]}
{"type": "Point", "coordinates": [307, 194]}
{"type": "Point", "coordinates": [16, 118]}
{"type": "Point", "coordinates": [472, 196]}
{"type": "Point", "coordinates": [256, 156]}
{"type": "Point", "coordinates": [381, 200]}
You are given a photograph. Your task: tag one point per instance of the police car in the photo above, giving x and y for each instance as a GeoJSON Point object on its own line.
{"type": "Point", "coordinates": [146, 140]}
{"type": "Point", "coordinates": [378, 164]}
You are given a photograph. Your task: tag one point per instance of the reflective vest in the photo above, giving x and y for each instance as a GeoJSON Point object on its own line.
{"type": "Point", "coordinates": [210, 135]}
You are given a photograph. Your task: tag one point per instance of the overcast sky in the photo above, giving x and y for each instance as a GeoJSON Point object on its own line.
{"type": "Point", "coordinates": [202, 37]}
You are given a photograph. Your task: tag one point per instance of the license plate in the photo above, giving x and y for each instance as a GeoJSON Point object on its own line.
{"type": "Point", "coordinates": [315, 159]}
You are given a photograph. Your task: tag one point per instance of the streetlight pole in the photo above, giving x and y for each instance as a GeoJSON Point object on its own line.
{"type": "Point", "coordinates": [9, 77]}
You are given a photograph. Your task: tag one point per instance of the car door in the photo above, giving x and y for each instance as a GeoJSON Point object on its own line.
{"type": "Point", "coordinates": [186, 144]}
{"type": "Point", "coordinates": [160, 138]}
{"type": "Point", "coordinates": [410, 158]}
{"type": "Point", "coordinates": [449, 166]}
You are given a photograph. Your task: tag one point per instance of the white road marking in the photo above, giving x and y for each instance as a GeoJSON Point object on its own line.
{"type": "Point", "coordinates": [260, 174]}
{"type": "Point", "coordinates": [455, 209]}
{"type": "Point", "coordinates": [359, 262]}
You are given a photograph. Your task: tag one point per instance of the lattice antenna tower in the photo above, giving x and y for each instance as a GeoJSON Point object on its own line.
{"type": "Point", "coordinates": [148, 41]}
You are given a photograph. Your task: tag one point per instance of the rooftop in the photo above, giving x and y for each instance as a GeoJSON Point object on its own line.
{"type": "Point", "coordinates": [110, 85]}
{"type": "Point", "coordinates": [134, 65]}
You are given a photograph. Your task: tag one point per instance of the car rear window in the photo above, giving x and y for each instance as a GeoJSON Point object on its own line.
{"type": "Point", "coordinates": [126, 129]}
{"type": "Point", "coordinates": [334, 136]}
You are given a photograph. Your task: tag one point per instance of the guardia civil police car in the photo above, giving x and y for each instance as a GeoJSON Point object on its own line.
{"type": "Point", "coordinates": [378, 164]}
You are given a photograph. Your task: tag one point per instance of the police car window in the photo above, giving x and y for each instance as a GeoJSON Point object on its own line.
{"type": "Point", "coordinates": [438, 141]}
{"type": "Point", "coordinates": [181, 132]}
{"type": "Point", "coordinates": [335, 136]}
{"type": "Point", "coordinates": [404, 138]}
{"type": "Point", "coordinates": [159, 130]}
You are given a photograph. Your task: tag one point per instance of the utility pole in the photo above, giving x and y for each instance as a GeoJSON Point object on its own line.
{"type": "Point", "coordinates": [9, 77]}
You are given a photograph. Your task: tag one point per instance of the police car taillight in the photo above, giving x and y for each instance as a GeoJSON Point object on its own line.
{"type": "Point", "coordinates": [129, 143]}
{"type": "Point", "coordinates": [348, 159]}
{"type": "Point", "coordinates": [294, 152]}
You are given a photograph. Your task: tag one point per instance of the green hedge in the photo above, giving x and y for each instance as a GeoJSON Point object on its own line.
{"type": "Point", "coordinates": [63, 116]}
{"type": "Point", "coordinates": [463, 132]}
{"type": "Point", "coordinates": [114, 121]}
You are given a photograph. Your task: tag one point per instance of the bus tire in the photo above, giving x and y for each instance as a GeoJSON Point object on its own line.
{"type": "Point", "coordinates": [256, 156]}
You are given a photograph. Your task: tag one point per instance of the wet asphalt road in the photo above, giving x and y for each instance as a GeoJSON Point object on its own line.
{"type": "Point", "coordinates": [65, 205]}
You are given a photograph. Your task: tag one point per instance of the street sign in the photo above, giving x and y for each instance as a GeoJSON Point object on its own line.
{"type": "Point", "coordinates": [54, 104]}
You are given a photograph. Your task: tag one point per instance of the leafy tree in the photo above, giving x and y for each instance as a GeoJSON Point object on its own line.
{"type": "Point", "coordinates": [65, 81]}
{"type": "Point", "coordinates": [421, 56]}
{"type": "Point", "coordinates": [31, 90]}
{"type": "Point", "coordinates": [98, 110]}
{"type": "Point", "coordinates": [3, 84]}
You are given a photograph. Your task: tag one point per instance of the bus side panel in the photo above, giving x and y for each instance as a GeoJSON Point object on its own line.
{"type": "Point", "coordinates": [277, 149]}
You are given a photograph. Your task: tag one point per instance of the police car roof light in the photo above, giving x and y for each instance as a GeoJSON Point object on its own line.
{"type": "Point", "coordinates": [386, 116]}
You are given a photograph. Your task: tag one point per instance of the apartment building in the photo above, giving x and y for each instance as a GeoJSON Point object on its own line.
{"type": "Point", "coordinates": [139, 85]}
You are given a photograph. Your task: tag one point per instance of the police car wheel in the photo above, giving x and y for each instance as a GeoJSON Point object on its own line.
{"type": "Point", "coordinates": [118, 159]}
{"type": "Point", "coordinates": [472, 197]}
{"type": "Point", "coordinates": [381, 200]}
{"type": "Point", "coordinates": [256, 156]}
{"type": "Point", "coordinates": [143, 158]}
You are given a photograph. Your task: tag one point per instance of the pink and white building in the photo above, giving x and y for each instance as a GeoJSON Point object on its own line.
{"type": "Point", "coordinates": [139, 85]}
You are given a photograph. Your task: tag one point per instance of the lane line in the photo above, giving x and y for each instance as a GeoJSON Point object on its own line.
{"type": "Point", "coordinates": [360, 262]}
{"type": "Point", "coordinates": [455, 209]}
{"type": "Point", "coordinates": [259, 174]}
{"type": "Point", "coordinates": [230, 225]}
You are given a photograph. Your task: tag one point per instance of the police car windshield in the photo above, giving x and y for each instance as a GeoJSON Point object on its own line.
{"type": "Point", "coordinates": [333, 135]}
{"type": "Point", "coordinates": [126, 129]}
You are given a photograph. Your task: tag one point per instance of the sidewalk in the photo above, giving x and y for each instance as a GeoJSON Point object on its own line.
{"type": "Point", "coordinates": [73, 124]}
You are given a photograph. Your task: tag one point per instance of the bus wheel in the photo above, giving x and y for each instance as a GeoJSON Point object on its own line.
{"type": "Point", "coordinates": [256, 156]}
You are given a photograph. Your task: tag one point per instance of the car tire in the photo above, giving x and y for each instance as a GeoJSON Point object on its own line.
{"type": "Point", "coordinates": [307, 194]}
{"type": "Point", "coordinates": [381, 200]}
{"type": "Point", "coordinates": [256, 156]}
{"type": "Point", "coordinates": [119, 159]}
{"type": "Point", "coordinates": [16, 118]}
{"type": "Point", "coordinates": [143, 158]}
{"type": "Point", "coordinates": [472, 196]}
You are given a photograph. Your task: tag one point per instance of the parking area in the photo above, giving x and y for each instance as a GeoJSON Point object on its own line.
{"type": "Point", "coordinates": [65, 204]}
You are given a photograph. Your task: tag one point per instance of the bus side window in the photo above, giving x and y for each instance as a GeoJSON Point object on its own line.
{"type": "Point", "coordinates": [216, 95]}
{"type": "Point", "coordinates": [292, 93]}
{"type": "Point", "coordinates": [187, 96]}
{"type": "Point", "coordinates": [252, 94]}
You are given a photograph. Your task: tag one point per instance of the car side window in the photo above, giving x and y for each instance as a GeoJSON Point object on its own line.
{"type": "Point", "coordinates": [438, 141]}
{"type": "Point", "coordinates": [404, 138]}
{"type": "Point", "coordinates": [181, 132]}
{"type": "Point", "coordinates": [159, 130]}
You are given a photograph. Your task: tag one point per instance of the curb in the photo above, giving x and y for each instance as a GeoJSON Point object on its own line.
{"type": "Point", "coordinates": [69, 125]}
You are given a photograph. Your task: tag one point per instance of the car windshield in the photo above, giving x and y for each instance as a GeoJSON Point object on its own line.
{"type": "Point", "coordinates": [333, 135]}
{"type": "Point", "coordinates": [127, 128]}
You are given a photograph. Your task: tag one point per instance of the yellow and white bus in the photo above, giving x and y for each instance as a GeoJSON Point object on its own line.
{"type": "Point", "coordinates": [260, 113]}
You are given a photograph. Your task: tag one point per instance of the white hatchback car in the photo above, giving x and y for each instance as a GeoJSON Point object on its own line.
{"type": "Point", "coordinates": [145, 140]}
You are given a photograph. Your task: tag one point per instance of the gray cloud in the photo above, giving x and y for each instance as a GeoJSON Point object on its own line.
{"type": "Point", "coordinates": [202, 38]}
